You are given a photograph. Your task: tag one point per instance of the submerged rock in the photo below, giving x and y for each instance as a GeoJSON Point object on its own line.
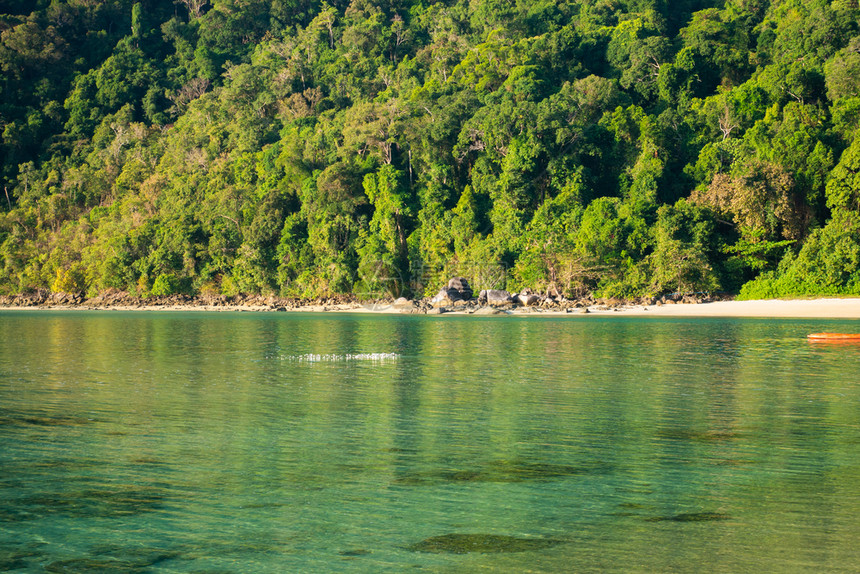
{"type": "Point", "coordinates": [104, 565]}
{"type": "Point", "coordinates": [354, 553]}
{"type": "Point", "coordinates": [16, 558]}
{"type": "Point", "coordinates": [715, 435]}
{"type": "Point", "coordinates": [39, 420]}
{"type": "Point", "coordinates": [457, 543]}
{"type": "Point", "coordinates": [7, 564]}
{"type": "Point", "coordinates": [141, 556]}
{"type": "Point", "coordinates": [500, 471]}
{"type": "Point", "coordinates": [691, 517]}
{"type": "Point", "coordinates": [119, 501]}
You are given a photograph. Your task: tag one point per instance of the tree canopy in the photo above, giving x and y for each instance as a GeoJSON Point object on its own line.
{"type": "Point", "coordinates": [305, 148]}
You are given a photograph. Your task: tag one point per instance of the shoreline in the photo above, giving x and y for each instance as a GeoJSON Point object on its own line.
{"type": "Point", "coordinates": [823, 308]}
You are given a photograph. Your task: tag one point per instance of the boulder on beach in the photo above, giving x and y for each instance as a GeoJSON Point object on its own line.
{"type": "Point", "coordinates": [496, 297]}
{"type": "Point", "coordinates": [488, 311]}
{"type": "Point", "coordinates": [403, 303]}
{"type": "Point", "coordinates": [458, 289]}
{"type": "Point", "coordinates": [445, 296]}
{"type": "Point", "coordinates": [528, 299]}
{"type": "Point", "coordinates": [461, 286]}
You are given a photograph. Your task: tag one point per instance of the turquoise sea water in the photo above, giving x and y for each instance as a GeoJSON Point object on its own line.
{"type": "Point", "coordinates": [237, 442]}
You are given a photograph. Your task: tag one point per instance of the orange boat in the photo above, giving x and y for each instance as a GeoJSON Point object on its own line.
{"type": "Point", "coordinates": [834, 336]}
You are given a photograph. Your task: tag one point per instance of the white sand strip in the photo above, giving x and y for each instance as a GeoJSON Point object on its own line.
{"type": "Point", "coordinates": [841, 308]}
{"type": "Point", "coordinates": [799, 308]}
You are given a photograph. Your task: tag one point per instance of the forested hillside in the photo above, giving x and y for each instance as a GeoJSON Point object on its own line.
{"type": "Point", "coordinates": [303, 148]}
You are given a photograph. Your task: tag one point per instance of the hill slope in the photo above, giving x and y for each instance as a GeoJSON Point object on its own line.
{"type": "Point", "coordinates": [306, 148]}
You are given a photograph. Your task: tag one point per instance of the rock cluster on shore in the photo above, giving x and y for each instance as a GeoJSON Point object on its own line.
{"type": "Point", "coordinates": [113, 299]}
{"type": "Point", "coordinates": [457, 296]}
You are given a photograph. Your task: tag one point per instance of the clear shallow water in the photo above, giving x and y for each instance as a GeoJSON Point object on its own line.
{"type": "Point", "coordinates": [233, 442]}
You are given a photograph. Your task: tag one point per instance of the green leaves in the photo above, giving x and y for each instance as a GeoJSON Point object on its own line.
{"type": "Point", "coordinates": [827, 264]}
{"type": "Point", "coordinates": [684, 251]}
{"type": "Point", "coordinates": [313, 147]}
{"type": "Point", "coordinates": [843, 184]}
{"type": "Point", "coordinates": [842, 72]}
{"type": "Point", "coordinates": [761, 199]}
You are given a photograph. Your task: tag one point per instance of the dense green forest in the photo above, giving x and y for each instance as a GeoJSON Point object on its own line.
{"type": "Point", "coordinates": [304, 148]}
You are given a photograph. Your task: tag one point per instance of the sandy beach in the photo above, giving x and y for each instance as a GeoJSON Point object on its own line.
{"type": "Point", "coordinates": [835, 308]}
{"type": "Point", "coordinates": [798, 308]}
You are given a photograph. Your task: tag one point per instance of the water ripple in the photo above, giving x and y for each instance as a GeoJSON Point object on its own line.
{"type": "Point", "coordinates": [332, 358]}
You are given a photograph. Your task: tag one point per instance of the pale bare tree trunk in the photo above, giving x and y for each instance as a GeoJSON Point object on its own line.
{"type": "Point", "coordinates": [195, 7]}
